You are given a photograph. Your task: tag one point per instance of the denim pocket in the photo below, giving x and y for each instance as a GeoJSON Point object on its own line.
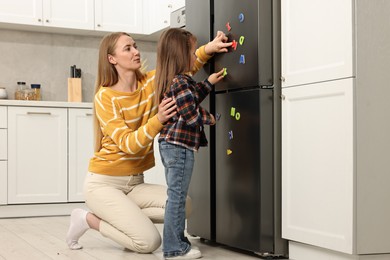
{"type": "Point", "coordinates": [169, 153]}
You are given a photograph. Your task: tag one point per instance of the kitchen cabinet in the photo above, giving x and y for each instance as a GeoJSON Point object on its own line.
{"type": "Point", "coordinates": [157, 14]}
{"type": "Point", "coordinates": [3, 155]}
{"type": "Point", "coordinates": [317, 44]}
{"type": "Point", "coordinates": [335, 137]}
{"type": "Point", "coordinates": [119, 15]}
{"type": "Point", "coordinates": [94, 17]}
{"type": "Point", "coordinates": [37, 155]}
{"type": "Point", "coordinates": [75, 14]}
{"type": "Point", "coordinates": [80, 150]}
{"type": "Point", "coordinates": [317, 152]}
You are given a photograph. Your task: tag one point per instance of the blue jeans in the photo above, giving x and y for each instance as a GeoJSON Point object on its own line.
{"type": "Point", "coordinates": [179, 163]}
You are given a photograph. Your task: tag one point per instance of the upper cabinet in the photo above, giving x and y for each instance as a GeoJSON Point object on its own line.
{"type": "Point", "coordinates": [76, 14]}
{"type": "Point", "coordinates": [136, 17]}
{"type": "Point", "coordinates": [317, 44]}
{"type": "Point", "coordinates": [119, 15]}
{"type": "Point", "coordinates": [68, 14]}
{"type": "Point", "coordinates": [157, 14]}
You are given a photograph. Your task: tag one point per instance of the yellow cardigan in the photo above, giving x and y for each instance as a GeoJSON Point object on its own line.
{"type": "Point", "coordinates": [129, 124]}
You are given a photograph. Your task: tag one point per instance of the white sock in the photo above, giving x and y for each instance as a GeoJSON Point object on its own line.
{"type": "Point", "coordinates": [78, 226]}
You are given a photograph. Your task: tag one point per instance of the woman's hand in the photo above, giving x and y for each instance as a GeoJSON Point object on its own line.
{"type": "Point", "coordinates": [219, 44]}
{"type": "Point", "coordinates": [166, 110]}
{"type": "Point", "coordinates": [216, 77]}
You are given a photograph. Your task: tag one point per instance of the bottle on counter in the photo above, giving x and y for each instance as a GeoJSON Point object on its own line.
{"type": "Point", "coordinates": [20, 88]}
{"type": "Point", "coordinates": [37, 91]}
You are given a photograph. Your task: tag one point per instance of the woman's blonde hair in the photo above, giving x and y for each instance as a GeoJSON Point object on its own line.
{"type": "Point", "coordinates": [173, 57]}
{"type": "Point", "coordinates": [107, 76]}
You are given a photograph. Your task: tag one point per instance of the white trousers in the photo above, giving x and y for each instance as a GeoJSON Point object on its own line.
{"type": "Point", "coordinates": [127, 208]}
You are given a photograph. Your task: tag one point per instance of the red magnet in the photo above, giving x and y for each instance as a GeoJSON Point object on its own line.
{"type": "Point", "coordinates": [234, 45]}
{"type": "Point", "coordinates": [228, 26]}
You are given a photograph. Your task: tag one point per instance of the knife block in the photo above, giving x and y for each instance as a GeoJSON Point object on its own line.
{"type": "Point", "coordinates": [74, 90]}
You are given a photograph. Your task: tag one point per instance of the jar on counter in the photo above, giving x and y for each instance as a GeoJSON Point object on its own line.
{"type": "Point", "coordinates": [27, 94]}
{"type": "Point", "coordinates": [21, 86]}
{"type": "Point", "coordinates": [3, 93]}
{"type": "Point", "coordinates": [37, 91]}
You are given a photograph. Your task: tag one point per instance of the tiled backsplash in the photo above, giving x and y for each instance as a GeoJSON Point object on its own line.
{"type": "Point", "coordinates": [45, 58]}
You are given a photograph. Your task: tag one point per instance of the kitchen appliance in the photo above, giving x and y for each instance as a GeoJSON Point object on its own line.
{"type": "Point", "coordinates": [235, 188]}
{"type": "Point", "coordinates": [178, 18]}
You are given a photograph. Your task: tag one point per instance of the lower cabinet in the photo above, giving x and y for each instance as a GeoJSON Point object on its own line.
{"type": "Point", "coordinates": [318, 183]}
{"type": "Point", "coordinates": [80, 151]}
{"type": "Point", "coordinates": [47, 157]}
{"type": "Point", "coordinates": [37, 155]}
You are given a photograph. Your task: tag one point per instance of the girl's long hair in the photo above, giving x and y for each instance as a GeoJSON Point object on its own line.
{"type": "Point", "coordinates": [107, 76]}
{"type": "Point", "coordinates": [173, 57]}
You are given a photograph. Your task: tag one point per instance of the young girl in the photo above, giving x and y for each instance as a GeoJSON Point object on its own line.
{"type": "Point", "coordinates": [181, 135]}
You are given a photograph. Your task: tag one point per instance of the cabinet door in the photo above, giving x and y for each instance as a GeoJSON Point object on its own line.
{"type": "Point", "coordinates": [316, 41]}
{"type": "Point", "coordinates": [119, 15]}
{"type": "Point", "coordinates": [317, 165]}
{"type": "Point", "coordinates": [80, 150]}
{"type": "Point", "coordinates": [37, 155]}
{"type": "Point", "coordinates": [3, 182]}
{"type": "Point", "coordinates": [21, 12]}
{"type": "Point", "coordinates": [75, 14]}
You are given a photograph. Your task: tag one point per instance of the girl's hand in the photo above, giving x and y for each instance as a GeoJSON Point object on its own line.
{"type": "Point", "coordinates": [218, 45]}
{"type": "Point", "coordinates": [216, 77]}
{"type": "Point", "coordinates": [212, 120]}
{"type": "Point", "coordinates": [166, 110]}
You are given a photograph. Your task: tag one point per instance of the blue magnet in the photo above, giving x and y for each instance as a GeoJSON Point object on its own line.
{"type": "Point", "coordinates": [218, 116]}
{"type": "Point", "coordinates": [242, 59]}
{"type": "Point", "coordinates": [241, 17]}
{"type": "Point", "coordinates": [230, 134]}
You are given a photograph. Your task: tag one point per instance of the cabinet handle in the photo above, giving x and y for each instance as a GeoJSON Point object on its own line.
{"type": "Point", "coordinates": [39, 113]}
{"type": "Point", "coordinates": [98, 25]}
{"type": "Point", "coordinates": [39, 20]}
{"type": "Point", "coordinates": [169, 6]}
{"type": "Point", "coordinates": [283, 97]}
{"type": "Point", "coordinates": [88, 114]}
{"type": "Point", "coordinates": [47, 20]}
{"type": "Point", "coordinates": [283, 79]}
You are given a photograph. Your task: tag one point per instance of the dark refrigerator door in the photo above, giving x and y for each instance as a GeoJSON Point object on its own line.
{"type": "Point", "coordinates": [244, 170]}
{"type": "Point", "coordinates": [201, 221]}
{"type": "Point", "coordinates": [250, 64]}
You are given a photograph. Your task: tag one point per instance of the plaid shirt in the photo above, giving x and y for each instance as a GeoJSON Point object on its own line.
{"type": "Point", "coordinates": [186, 129]}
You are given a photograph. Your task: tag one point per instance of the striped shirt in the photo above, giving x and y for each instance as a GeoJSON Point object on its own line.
{"type": "Point", "coordinates": [129, 124]}
{"type": "Point", "coordinates": [187, 129]}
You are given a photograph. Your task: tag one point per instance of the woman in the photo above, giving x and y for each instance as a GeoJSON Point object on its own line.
{"type": "Point", "coordinates": [127, 119]}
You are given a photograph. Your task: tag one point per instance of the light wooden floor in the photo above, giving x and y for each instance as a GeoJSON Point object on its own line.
{"type": "Point", "coordinates": [43, 238]}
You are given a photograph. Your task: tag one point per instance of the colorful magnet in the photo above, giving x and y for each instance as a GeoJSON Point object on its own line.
{"type": "Point", "coordinates": [229, 152]}
{"type": "Point", "coordinates": [228, 26]}
{"type": "Point", "coordinates": [230, 134]}
{"type": "Point", "coordinates": [242, 59]}
{"type": "Point", "coordinates": [238, 116]}
{"type": "Point", "coordinates": [241, 17]}
{"type": "Point", "coordinates": [234, 45]}
{"type": "Point", "coordinates": [232, 111]}
{"type": "Point", "coordinates": [241, 40]}
{"type": "Point", "coordinates": [224, 72]}
{"type": "Point", "coordinates": [218, 116]}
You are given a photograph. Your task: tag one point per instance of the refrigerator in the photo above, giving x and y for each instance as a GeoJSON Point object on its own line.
{"type": "Point", "coordinates": [235, 188]}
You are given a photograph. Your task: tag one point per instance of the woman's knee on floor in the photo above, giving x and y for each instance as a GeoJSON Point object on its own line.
{"type": "Point", "coordinates": [146, 244]}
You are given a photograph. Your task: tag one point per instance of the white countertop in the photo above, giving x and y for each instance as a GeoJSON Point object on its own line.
{"type": "Point", "coordinates": [28, 103]}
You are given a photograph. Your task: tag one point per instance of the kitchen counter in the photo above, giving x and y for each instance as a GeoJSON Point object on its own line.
{"type": "Point", "coordinates": [33, 103]}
